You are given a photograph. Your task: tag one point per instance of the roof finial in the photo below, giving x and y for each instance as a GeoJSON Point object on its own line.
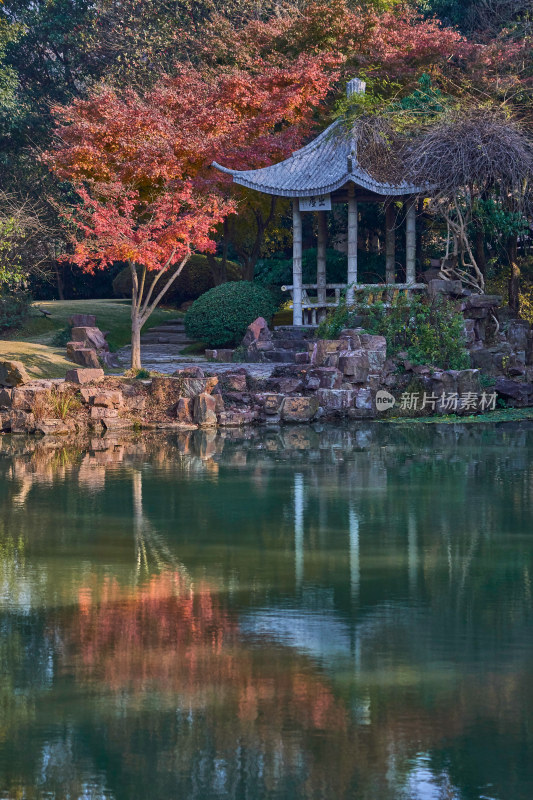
{"type": "Point", "coordinates": [355, 86]}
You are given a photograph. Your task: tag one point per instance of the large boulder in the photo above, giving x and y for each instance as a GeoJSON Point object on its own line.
{"type": "Point", "coordinates": [204, 410]}
{"type": "Point", "coordinates": [13, 373]}
{"type": "Point", "coordinates": [84, 376]}
{"type": "Point", "coordinates": [90, 337]}
{"type": "Point", "coordinates": [83, 356]}
{"type": "Point", "coordinates": [336, 401]}
{"type": "Point", "coordinates": [26, 398]}
{"type": "Point", "coordinates": [258, 336]}
{"type": "Point", "coordinates": [299, 409]}
{"type": "Point", "coordinates": [354, 364]}
{"type": "Point", "coordinates": [514, 393]}
{"type": "Point", "coordinates": [54, 427]}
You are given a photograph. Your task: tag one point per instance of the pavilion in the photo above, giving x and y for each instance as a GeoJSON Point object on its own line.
{"type": "Point", "coordinates": [324, 172]}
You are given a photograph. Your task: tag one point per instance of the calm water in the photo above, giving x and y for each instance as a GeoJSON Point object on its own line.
{"type": "Point", "coordinates": [335, 613]}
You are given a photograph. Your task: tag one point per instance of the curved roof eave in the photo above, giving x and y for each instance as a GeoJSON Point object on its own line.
{"type": "Point", "coordinates": [359, 178]}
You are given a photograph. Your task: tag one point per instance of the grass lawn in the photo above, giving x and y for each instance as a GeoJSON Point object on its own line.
{"type": "Point", "coordinates": [33, 343]}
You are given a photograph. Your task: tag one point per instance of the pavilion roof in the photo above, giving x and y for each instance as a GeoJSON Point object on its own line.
{"type": "Point", "coordinates": [323, 166]}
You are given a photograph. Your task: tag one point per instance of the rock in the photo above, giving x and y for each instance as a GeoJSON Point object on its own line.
{"type": "Point", "coordinates": [351, 338]}
{"type": "Point", "coordinates": [470, 332]}
{"type": "Point", "coordinates": [328, 377]}
{"type": "Point", "coordinates": [517, 334]}
{"type": "Point", "coordinates": [170, 389]}
{"type": "Point", "coordinates": [299, 409]}
{"type": "Point", "coordinates": [336, 401]}
{"type": "Point", "coordinates": [184, 410]}
{"type": "Point", "coordinates": [90, 337]}
{"type": "Point", "coordinates": [355, 365]}
{"type": "Point", "coordinates": [290, 385]}
{"type": "Point", "coordinates": [234, 418]}
{"type": "Point", "coordinates": [235, 382]}
{"type": "Point", "coordinates": [438, 286]}
{"type": "Point", "coordinates": [443, 381]}
{"type": "Point", "coordinates": [514, 393]}
{"type": "Point", "coordinates": [270, 402]}
{"type": "Point", "coordinates": [84, 376]}
{"type": "Point", "coordinates": [364, 400]}
{"type": "Point", "coordinates": [25, 398]}
{"type": "Point", "coordinates": [301, 358]}
{"type": "Point", "coordinates": [109, 360]}
{"type": "Point", "coordinates": [117, 423]}
{"type": "Point", "coordinates": [98, 412]}
{"type": "Point", "coordinates": [50, 427]}
{"type": "Point", "coordinates": [108, 399]}
{"type": "Point", "coordinates": [482, 359]}
{"type": "Point", "coordinates": [320, 350]}
{"type": "Point", "coordinates": [257, 337]}
{"type": "Point", "coordinates": [13, 373]}
{"type": "Point", "coordinates": [204, 410]}
{"type": "Point", "coordinates": [5, 421]}
{"type": "Point", "coordinates": [83, 356]}
{"type": "Point", "coordinates": [483, 301]}
{"type": "Point", "coordinates": [6, 397]}
{"type": "Point", "coordinates": [467, 381]}
{"type": "Point", "coordinates": [224, 355]}
{"type": "Point", "coordinates": [22, 422]}
{"type": "Point", "coordinates": [82, 321]}
{"type": "Point", "coordinates": [189, 372]}
{"type": "Point", "coordinates": [135, 403]}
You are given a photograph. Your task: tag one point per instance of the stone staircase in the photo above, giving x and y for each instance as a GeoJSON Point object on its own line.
{"type": "Point", "coordinates": [170, 332]}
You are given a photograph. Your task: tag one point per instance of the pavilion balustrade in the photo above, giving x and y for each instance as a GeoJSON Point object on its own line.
{"type": "Point", "coordinates": [314, 309]}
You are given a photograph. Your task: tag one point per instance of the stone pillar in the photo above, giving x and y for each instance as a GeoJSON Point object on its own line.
{"type": "Point", "coordinates": [410, 242]}
{"type": "Point", "coordinates": [296, 263]}
{"type": "Point", "coordinates": [321, 256]}
{"type": "Point", "coordinates": [390, 243]}
{"type": "Point", "coordinates": [352, 244]}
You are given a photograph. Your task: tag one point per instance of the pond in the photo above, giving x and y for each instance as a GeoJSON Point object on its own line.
{"type": "Point", "coordinates": [329, 612]}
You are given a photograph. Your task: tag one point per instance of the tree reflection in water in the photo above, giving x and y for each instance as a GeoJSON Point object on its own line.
{"type": "Point", "coordinates": [309, 614]}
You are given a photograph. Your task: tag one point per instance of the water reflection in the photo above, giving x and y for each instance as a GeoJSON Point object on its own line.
{"type": "Point", "coordinates": [301, 613]}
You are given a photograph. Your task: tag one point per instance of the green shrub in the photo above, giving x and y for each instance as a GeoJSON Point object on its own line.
{"type": "Point", "coordinates": [195, 279]}
{"type": "Point", "coordinates": [13, 310]}
{"type": "Point", "coordinates": [430, 331]}
{"type": "Point", "coordinates": [220, 316]}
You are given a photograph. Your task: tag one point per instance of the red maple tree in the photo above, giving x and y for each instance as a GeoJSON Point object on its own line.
{"type": "Point", "coordinates": [140, 164]}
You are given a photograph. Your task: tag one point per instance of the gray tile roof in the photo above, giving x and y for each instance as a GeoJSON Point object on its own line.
{"type": "Point", "coordinates": [322, 166]}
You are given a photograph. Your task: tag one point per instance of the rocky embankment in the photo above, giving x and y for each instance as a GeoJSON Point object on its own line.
{"type": "Point", "coordinates": [332, 379]}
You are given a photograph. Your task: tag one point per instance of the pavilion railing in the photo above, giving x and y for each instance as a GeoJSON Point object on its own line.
{"type": "Point", "coordinates": [314, 311]}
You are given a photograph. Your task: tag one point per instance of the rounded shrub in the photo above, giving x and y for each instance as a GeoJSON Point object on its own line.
{"type": "Point", "coordinates": [220, 316]}
{"type": "Point", "coordinates": [195, 279]}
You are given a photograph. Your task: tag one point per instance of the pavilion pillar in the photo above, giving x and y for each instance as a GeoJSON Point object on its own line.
{"type": "Point", "coordinates": [321, 256]}
{"type": "Point", "coordinates": [352, 244]}
{"type": "Point", "coordinates": [296, 263]}
{"type": "Point", "coordinates": [390, 243]}
{"type": "Point", "coordinates": [410, 243]}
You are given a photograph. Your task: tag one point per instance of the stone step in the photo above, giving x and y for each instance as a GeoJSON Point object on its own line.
{"type": "Point", "coordinates": [165, 338]}
{"type": "Point", "coordinates": [166, 329]}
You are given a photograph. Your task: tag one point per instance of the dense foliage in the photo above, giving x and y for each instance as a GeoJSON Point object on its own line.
{"type": "Point", "coordinates": [65, 51]}
{"type": "Point", "coordinates": [220, 316]}
{"type": "Point", "coordinates": [427, 331]}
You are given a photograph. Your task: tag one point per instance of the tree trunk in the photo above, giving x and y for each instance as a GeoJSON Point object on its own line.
{"type": "Point", "coordinates": [59, 282]}
{"type": "Point", "coordinates": [135, 343]}
{"type": "Point", "coordinates": [514, 289]}
{"type": "Point", "coordinates": [143, 304]}
{"type": "Point", "coordinates": [480, 250]}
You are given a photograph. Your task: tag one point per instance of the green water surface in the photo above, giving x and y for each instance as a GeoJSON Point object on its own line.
{"type": "Point", "coordinates": [339, 612]}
